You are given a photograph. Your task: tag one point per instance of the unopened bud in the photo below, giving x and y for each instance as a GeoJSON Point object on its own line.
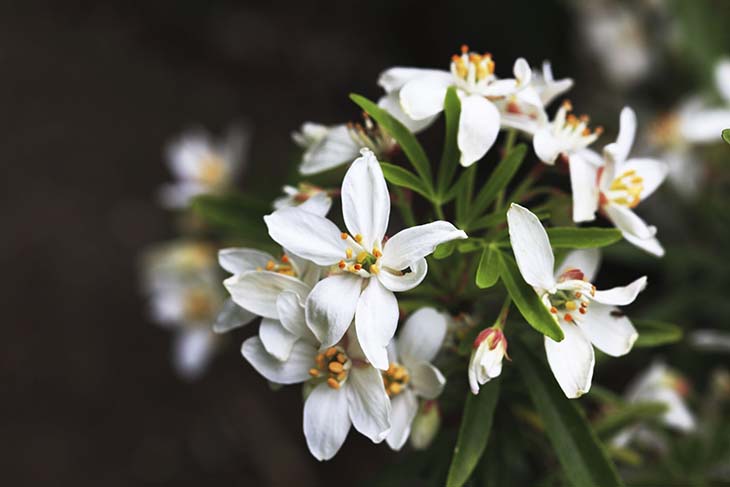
{"type": "Point", "coordinates": [425, 425]}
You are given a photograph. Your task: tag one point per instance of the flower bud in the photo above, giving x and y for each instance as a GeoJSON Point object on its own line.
{"type": "Point", "coordinates": [490, 347]}
{"type": "Point", "coordinates": [425, 425]}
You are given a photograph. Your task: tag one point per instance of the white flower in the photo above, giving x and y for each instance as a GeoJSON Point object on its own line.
{"type": "Point", "coordinates": [485, 364]}
{"type": "Point", "coordinates": [410, 374]}
{"type": "Point", "coordinates": [329, 147]}
{"type": "Point", "coordinates": [365, 270]}
{"type": "Point", "coordinates": [425, 425]}
{"type": "Point", "coordinates": [422, 92]}
{"type": "Point", "coordinates": [306, 196]}
{"type": "Point", "coordinates": [585, 315]}
{"type": "Point", "coordinates": [344, 389]}
{"type": "Point", "coordinates": [203, 165]}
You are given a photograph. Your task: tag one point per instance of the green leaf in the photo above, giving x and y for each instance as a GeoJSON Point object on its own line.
{"type": "Point", "coordinates": [526, 300]}
{"type": "Point", "coordinates": [473, 433]}
{"type": "Point", "coordinates": [465, 193]}
{"type": "Point", "coordinates": [726, 135]}
{"type": "Point", "coordinates": [234, 213]}
{"type": "Point", "coordinates": [444, 250]}
{"type": "Point", "coordinates": [407, 141]}
{"type": "Point", "coordinates": [582, 238]}
{"type": "Point", "coordinates": [499, 180]}
{"type": "Point", "coordinates": [404, 178]}
{"type": "Point", "coordinates": [627, 415]}
{"type": "Point", "coordinates": [488, 269]}
{"type": "Point", "coordinates": [656, 333]}
{"type": "Point", "coordinates": [579, 451]}
{"type": "Point", "coordinates": [450, 156]}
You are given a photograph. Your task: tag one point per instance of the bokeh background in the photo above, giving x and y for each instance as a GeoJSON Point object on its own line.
{"type": "Point", "coordinates": [89, 94]}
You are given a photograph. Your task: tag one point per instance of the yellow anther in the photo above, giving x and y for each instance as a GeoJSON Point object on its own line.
{"type": "Point", "coordinates": [361, 257]}
{"type": "Point", "coordinates": [314, 372]}
{"type": "Point", "coordinates": [335, 367]}
{"type": "Point", "coordinates": [270, 265]}
{"type": "Point", "coordinates": [342, 264]}
{"type": "Point", "coordinates": [333, 383]}
{"type": "Point", "coordinates": [341, 358]}
{"type": "Point", "coordinates": [342, 376]}
{"type": "Point", "coordinates": [358, 238]}
{"type": "Point", "coordinates": [395, 388]}
{"type": "Point", "coordinates": [377, 253]}
{"type": "Point", "coordinates": [348, 253]}
{"type": "Point", "coordinates": [571, 306]}
{"type": "Point", "coordinates": [331, 352]}
{"type": "Point", "coordinates": [374, 269]}
{"type": "Point", "coordinates": [343, 236]}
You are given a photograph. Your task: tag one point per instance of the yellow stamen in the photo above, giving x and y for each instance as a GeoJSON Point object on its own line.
{"type": "Point", "coordinates": [374, 269]}
{"type": "Point", "coordinates": [314, 372]}
{"type": "Point", "coordinates": [331, 352]}
{"type": "Point", "coordinates": [335, 367]}
{"type": "Point", "coordinates": [348, 253]}
{"type": "Point", "coordinates": [270, 265]}
{"type": "Point", "coordinates": [358, 238]}
{"type": "Point", "coordinates": [333, 383]}
{"type": "Point", "coordinates": [343, 236]}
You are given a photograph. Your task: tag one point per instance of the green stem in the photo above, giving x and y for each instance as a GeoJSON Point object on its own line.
{"type": "Point", "coordinates": [405, 209]}
{"type": "Point", "coordinates": [439, 211]}
{"type": "Point", "coordinates": [502, 316]}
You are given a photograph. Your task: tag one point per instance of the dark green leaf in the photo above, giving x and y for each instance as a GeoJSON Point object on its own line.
{"type": "Point", "coordinates": [627, 415]}
{"type": "Point", "coordinates": [579, 451]}
{"type": "Point", "coordinates": [407, 141]}
{"type": "Point", "coordinates": [476, 424]}
{"type": "Point", "coordinates": [656, 333]}
{"type": "Point", "coordinates": [404, 178]}
{"type": "Point", "coordinates": [726, 135]}
{"type": "Point", "coordinates": [465, 193]}
{"type": "Point", "coordinates": [526, 300]}
{"type": "Point", "coordinates": [234, 213]}
{"type": "Point", "coordinates": [444, 250]}
{"type": "Point", "coordinates": [450, 156]}
{"type": "Point", "coordinates": [499, 180]}
{"type": "Point", "coordinates": [582, 238]}
{"type": "Point", "coordinates": [488, 269]}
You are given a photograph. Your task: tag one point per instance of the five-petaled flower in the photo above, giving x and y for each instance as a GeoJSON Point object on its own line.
{"type": "Point", "coordinates": [586, 316]}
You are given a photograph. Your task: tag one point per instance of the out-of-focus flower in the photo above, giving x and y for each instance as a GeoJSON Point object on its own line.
{"type": "Point", "coordinates": [344, 389]}
{"type": "Point", "coordinates": [485, 364]}
{"type": "Point", "coordinates": [662, 385]}
{"type": "Point", "coordinates": [425, 425]}
{"type": "Point", "coordinates": [422, 92]}
{"type": "Point", "coordinates": [328, 147]}
{"type": "Point", "coordinates": [203, 165]}
{"type": "Point", "coordinates": [306, 196]}
{"type": "Point", "coordinates": [398, 264]}
{"type": "Point", "coordinates": [586, 316]}
{"type": "Point", "coordinates": [410, 374]}
{"type": "Point", "coordinates": [711, 340]}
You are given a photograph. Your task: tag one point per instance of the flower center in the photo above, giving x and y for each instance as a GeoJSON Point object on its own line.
{"type": "Point", "coordinates": [197, 305]}
{"type": "Point", "coordinates": [212, 170]}
{"type": "Point", "coordinates": [493, 336]}
{"type": "Point", "coordinates": [357, 259]}
{"type": "Point", "coordinates": [572, 129]}
{"type": "Point", "coordinates": [626, 189]}
{"type": "Point", "coordinates": [306, 191]}
{"type": "Point", "coordinates": [395, 379]}
{"type": "Point", "coordinates": [332, 365]}
{"type": "Point", "coordinates": [567, 303]}
{"type": "Point", "coordinates": [283, 266]}
{"type": "Point", "coordinates": [372, 136]}
{"type": "Point", "coordinates": [471, 67]}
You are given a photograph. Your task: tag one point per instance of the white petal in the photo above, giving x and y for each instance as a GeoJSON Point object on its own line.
{"type": "Point", "coordinates": [584, 186]}
{"type": "Point", "coordinates": [326, 421]}
{"type": "Point", "coordinates": [626, 133]}
{"type": "Point", "coordinates": [628, 222]}
{"type": "Point", "coordinates": [652, 172]}
{"type": "Point", "coordinates": [404, 408]}
{"type": "Point", "coordinates": [309, 236]}
{"type": "Point", "coordinates": [522, 72]}
{"type": "Point", "coordinates": [704, 126]}
{"type": "Point", "coordinates": [318, 204]}
{"type": "Point", "coordinates": [398, 282]}
{"type": "Point", "coordinates": [422, 335]}
{"type": "Point", "coordinates": [531, 247]}
{"type": "Point", "coordinates": [240, 260]}
{"type": "Point", "coordinates": [232, 316]}
{"type": "Point", "coordinates": [292, 317]}
{"type": "Point", "coordinates": [571, 361]}
{"type": "Point", "coordinates": [608, 329]}
{"type": "Point", "coordinates": [423, 97]}
{"type": "Point", "coordinates": [331, 306]}
{"type": "Point", "coordinates": [587, 260]}
{"type": "Point", "coordinates": [257, 291]}
{"type": "Point", "coordinates": [193, 349]}
{"type": "Point", "coordinates": [722, 78]}
{"type": "Point", "coordinates": [334, 149]}
{"type": "Point", "coordinates": [412, 244]}
{"type": "Point", "coordinates": [478, 128]}
{"type": "Point", "coordinates": [427, 380]}
{"type": "Point", "coordinates": [546, 145]}
{"type": "Point", "coordinates": [650, 245]}
{"type": "Point", "coordinates": [368, 403]}
{"type": "Point", "coordinates": [276, 339]}
{"type": "Point", "coordinates": [291, 371]}
{"type": "Point", "coordinates": [391, 104]}
{"type": "Point", "coordinates": [678, 415]}
{"type": "Point", "coordinates": [365, 200]}
{"type": "Point", "coordinates": [500, 88]}
{"type": "Point", "coordinates": [621, 296]}
{"type": "Point", "coordinates": [393, 79]}
{"type": "Point", "coordinates": [375, 322]}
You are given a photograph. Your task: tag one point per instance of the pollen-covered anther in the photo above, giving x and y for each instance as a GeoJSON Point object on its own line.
{"type": "Point", "coordinates": [270, 265]}
{"type": "Point", "coordinates": [395, 379]}
{"type": "Point", "coordinates": [361, 257]}
{"type": "Point", "coordinates": [568, 317]}
{"type": "Point", "coordinates": [343, 236]}
{"type": "Point", "coordinates": [377, 253]}
{"type": "Point", "coordinates": [358, 238]}
{"type": "Point", "coordinates": [332, 366]}
{"type": "Point", "coordinates": [333, 383]}
{"type": "Point", "coordinates": [348, 253]}
{"type": "Point", "coordinates": [342, 264]}
{"type": "Point", "coordinates": [374, 269]}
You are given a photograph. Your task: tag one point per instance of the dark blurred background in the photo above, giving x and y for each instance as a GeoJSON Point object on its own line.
{"type": "Point", "coordinates": [89, 93]}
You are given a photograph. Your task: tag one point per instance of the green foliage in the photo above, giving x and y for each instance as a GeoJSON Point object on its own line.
{"type": "Point", "coordinates": [450, 156]}
{"type": "Point", "coordinates": [582, 238]}
{"type": "Point", "coordinates": [404, 178]}
{"type": "Point", "coordinates": [655, 333]}
{"type": "Point", "coordinates": [628, 415]}
{"type": "Point", "coordinates": [726, 135]}
{"type": "Point", "coordinates": [488, 269]}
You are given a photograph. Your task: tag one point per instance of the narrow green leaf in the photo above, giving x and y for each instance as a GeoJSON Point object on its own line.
{"type": "Point", "coordinates": [579, 451]}
{"type": "Point", "coordinates": [499, 180]}
{"type": "Point", "coordinates": [465, 194]}
{"type": "Point", "coordinates": [404, 178]}
{"type": "Point", "coordinates": [470, 245]}
{"type": "Point", "coordinates": [526, 300]}
{"type": "Point", "coordinates": [457, 188]}
{"type": "Point", "coordinates": [488, 269]}
{"type": "Point", "coordinates": [656, 333]}
{"type": "Point", "coordinates": [582, 238]}
{"type": "Point", "coordinates": [450, 156]}
{"type": "Point", "coordinates": [627, 415]}
{"type": "Point", "coordinates": [726, 135]}
{"type": "Point", "coordinates": [234, 213]}
{"type": "Point", "coordinates": [407, 141]}
{"type": "Point", "coordinates": [444, 250]}
{"type": "Point", "coordinates": [473, 433]}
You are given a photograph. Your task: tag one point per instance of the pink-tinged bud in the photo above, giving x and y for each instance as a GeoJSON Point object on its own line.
{"type": "Point", "coordinates": [571, 275]}
{"type": "Point", "coordinates": [490, 347]}
{"type": "Point", "coordinates": [425, 425]}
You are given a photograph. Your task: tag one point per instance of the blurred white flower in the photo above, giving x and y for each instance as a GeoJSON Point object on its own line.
{"type": "Point", "coordinates": [421, 93]}
{"type": "Point", "coordinates": [711, 340]}
{"type": "Point", "coordinates": [306, 196]}
{"type": "Point", "coordinates": [410, 374]}
{"type": "Point", "coordinates": [586, 316]}
{"type": "Point", "coordinates": [425, 425]}
{"type": "Point", "coordinates": [203, 165]}
{"type": "Point", "coordinates": [485, 364]}
{"type": "Point", "coordinates": [348, 292]}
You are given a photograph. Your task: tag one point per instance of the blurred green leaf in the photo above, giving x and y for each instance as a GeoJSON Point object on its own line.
{"type": "Point", "coordinates": [488, 269]}
{"type": "Point", "coordinates": [450, 156]}
{"type": "Point", "coordinates": [404, 178]}
{"type": "Point", "coordinates": [726, 135]}
{"type": "Point", "coordinates": [476, 423]}
{"type": "Point", "coordinates": [627, 415]}
{"type": "Point", "coordinates": [444, 250]}
{"type": "Point", "coordinates": [526, 300]}
{"type": "Point", "coordinates": [407, 141]}
{"type": "Point", "coordinates": [579, 451]}
{"type": "Point", "coordinates": [655, 333]}
{"type": "Point", "coordinates": [235, 213]}
{"type": "Point", "coordinates": [582, 238]}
